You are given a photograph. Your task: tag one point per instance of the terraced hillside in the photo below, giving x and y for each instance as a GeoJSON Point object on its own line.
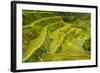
{"type": "Point", "coordinates": [55, 36]}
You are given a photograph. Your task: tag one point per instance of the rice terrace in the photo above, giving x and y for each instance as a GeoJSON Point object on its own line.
{"type": "Point", "coordinates": [55, 36]}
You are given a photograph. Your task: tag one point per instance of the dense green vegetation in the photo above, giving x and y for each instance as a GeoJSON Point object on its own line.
{"type": "Point", "coordinates": [55, 36]}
